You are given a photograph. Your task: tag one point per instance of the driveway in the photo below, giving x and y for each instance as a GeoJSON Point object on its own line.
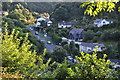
{"type": "Point", "coordinates": [49, 47]}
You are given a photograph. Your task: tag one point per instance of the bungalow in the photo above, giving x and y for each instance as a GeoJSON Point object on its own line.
{"type": "Point", "coordinates": [65, 24]}
{"type": "Point", "coordinates": [102, 22]}
{"type": "Point", "coordinates": [46, 21]}
{"type": "Point", "coordinates": [76, 34]}
{"type": "Point", "coordinates": [89, 47]}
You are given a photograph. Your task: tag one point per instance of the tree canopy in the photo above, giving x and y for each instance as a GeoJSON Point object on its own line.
{"type": "Point", "coordinates": [94, 7]}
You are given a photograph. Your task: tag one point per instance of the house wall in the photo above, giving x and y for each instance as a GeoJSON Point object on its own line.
{"type": "Point", "coordinates": [38, 24]}
{"type": "Point", "coordinates": [88, 49]}
{"type": "Point", "coordinates": [85, 49]}
{"type": "Point", "coordinates": [104, 22]}
{"type": "Point", "coordinates": [63, 26]}
{"type": "Point", "coordinates": [49, 24]}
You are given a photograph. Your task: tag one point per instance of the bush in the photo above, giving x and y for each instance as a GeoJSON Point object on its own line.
{"type": "Point", "coordinates": [64, 43]}
{"type": "Point", "coordinates": [88, 35]}
{"type": "Point", "coordinates": [59, 54]}
{"type": "Point", "coordinates": [18, 23]}
{"type": "Point", "coordinates": [25, 30]}
{"type": "Point", "coordinates": [56, 38]}
{"type": "Point", "coordinates": [13, 16]}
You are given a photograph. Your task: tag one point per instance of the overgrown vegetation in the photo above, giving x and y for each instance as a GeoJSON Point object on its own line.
{"type": "Point", "coordinates": [25, 56]}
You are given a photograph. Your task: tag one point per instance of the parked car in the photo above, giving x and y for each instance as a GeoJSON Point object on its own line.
{"type": "Point", "coordinates": [36, 33]}
{"type": "Point", "coordinates": [48, 42]}
{"type": "Point", "coordinates": [70, 59]}
{"type": "Point", "coordinates": [45, 35]}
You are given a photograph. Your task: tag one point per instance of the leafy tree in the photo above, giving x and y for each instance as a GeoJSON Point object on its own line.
{"type": "Point", "coordinates": [13, 16]}
{"type": "Point", "coordinates": [90, 67]}
{"type": "Point", "coordinates": [94, 7]}
{"type": "Point", "coordinates": [118, 48]}
{"type": "Point", "coordinates": [18, 23]}
{"type": "Point", "coordinates": [88, 35]}
{"type": "Point", "coordinates": [59, 54]}
{"type": "Point", "coordinates": [38, 45]}
{"type": "Point", "coordinates": [56, 38]}
{"type": "Point", "coordinates": [61, 70]}
{"type": "Point", "coordinates": [72, 49]}
{"type": "Point", "coordinates": [16, 55]}
{"type": "Point", "coordinates": [25, 15]}
{"type": "Point", "coordinates": [60, 14]}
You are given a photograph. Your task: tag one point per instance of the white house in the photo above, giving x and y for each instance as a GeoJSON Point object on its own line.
{"type": "Point", "coordinates": [46, 21]}
{"type": "Point", "coordinates": [89, 47]}
{"type": "Point", "coordinates": [65, 24]}
{"type": "Point", "coordinates": [49, 23]}
{"type": "Point", "coordinates": [101, 22]}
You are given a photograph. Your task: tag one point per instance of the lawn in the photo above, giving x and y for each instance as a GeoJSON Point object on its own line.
{"type": "Point", "coordinates": [41, 35]}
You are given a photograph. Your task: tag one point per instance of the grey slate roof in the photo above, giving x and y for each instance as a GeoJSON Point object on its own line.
{"type": "Point", "coordinates": [115, 60]}
{"type": "Point", "coordinates": [76, 31]}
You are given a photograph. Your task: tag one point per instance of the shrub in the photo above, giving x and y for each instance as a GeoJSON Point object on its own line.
{"type": "Point", "coordinates": [56, 38]}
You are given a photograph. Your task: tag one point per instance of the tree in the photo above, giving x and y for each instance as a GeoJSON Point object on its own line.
{"type": "Point", "coordinates": [13, 16]}
{"type": "Point", "coordinates": [60, 14]}
{"type": "Point", "coordinates": [118, 48]}
{"type": "Point", "coordinates": [56, 38]}
{"type": "Point", "coordinates": [94, 7]}
{"type": "Point", "coordinates": [90, 67]}
{"type": "Point", "coordinates": [88, 35]}
{"type": "Point", "coordinates": [59, 54]}
{"type": "Point", "coordinates": [25, 15]}
{"type": "Point", "coordinates": [16, 55]}
{"type": "Point", "coordinates": [72, 49]}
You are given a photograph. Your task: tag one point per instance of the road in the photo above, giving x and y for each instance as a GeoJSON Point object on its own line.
{"type": "Point", "coordinates": [49, 47]}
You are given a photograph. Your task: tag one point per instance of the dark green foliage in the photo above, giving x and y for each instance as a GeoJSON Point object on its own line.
{"type": "Point", "coordinates": [64, 43]}
{"type": "Point", "coordinates": [72, 49]}
{"type": "Point", "coordinates": [60, 14]}
{"type": "Point", "coordinates": [118, 48]}
{"type": "Point", "coordinates": [59, 54]}
{"type": "Point", "coordinates": [18, 23]}
{"type": "Point", "coordinates": [56, 38]}
{"type": "Point", "coordinates": [88, 35]}
{"type": "Point", "coordinates": [62, 71]}
{"type": "Point", "coordinates": [38, 45]}
{"type": "Point", "coordinates": [13, 22]}
{"type": "Point", "coordinates": [113, 35]}
{"type": "Point", "coordinates": [13, 16]}
{"type": "Point", "coordinates": [25, 30]}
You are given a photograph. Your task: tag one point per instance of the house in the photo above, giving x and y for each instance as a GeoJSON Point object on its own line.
{"type": "Point", "coordinates": [116, 61]}
{"type": "Point", "coordinates": [102, 22]}
{"type": "Point", "coordinates": [65, 24]}
{"type": "Point", "coordinates": [46, 21]}
{"type": "Point", "coordinates": [89, 47]}
{"type": "Point", "coordinates": [76, 34]}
